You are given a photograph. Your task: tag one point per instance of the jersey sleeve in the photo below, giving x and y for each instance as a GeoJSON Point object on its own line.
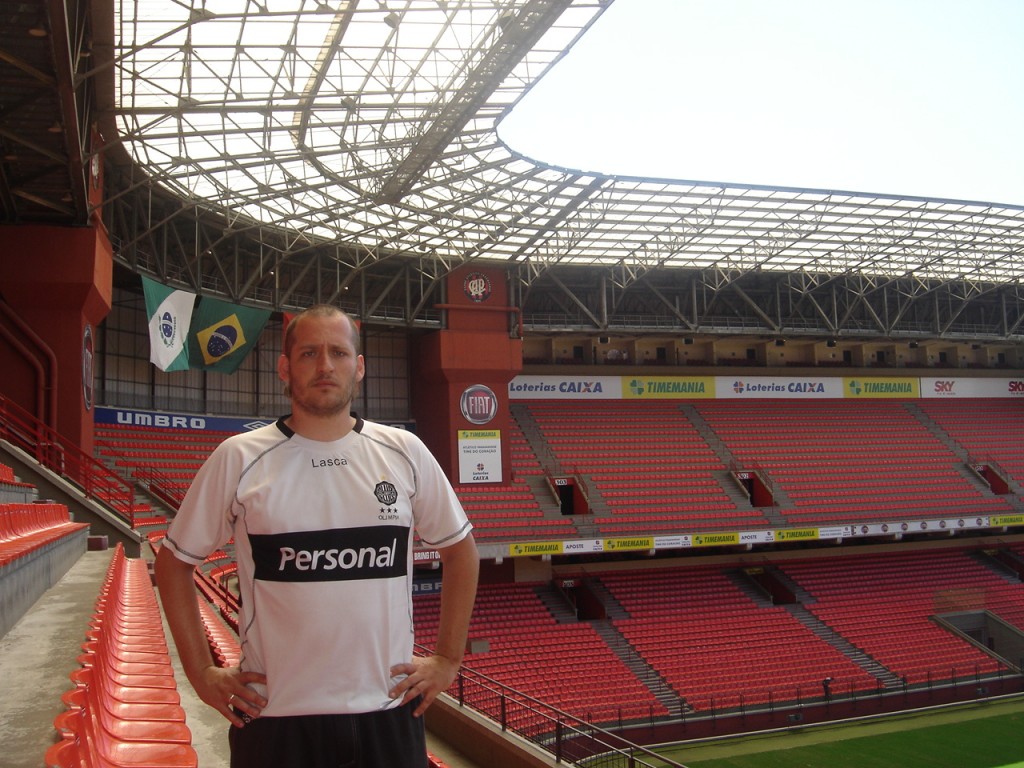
{"type": "Point", "coordinates": [439, 517]}
{"type": "Point", "coordinates": [205, 520]}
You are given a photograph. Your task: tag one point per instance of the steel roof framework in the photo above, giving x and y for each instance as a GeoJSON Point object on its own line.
{"type": "Point", "coordinates": [299, 149]}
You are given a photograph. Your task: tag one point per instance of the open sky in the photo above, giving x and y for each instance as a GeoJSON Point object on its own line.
{"type": "Point", "coordinates": [900, 97]}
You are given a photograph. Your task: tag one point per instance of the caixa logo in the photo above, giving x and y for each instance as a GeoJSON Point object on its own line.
{"type": "Point", "coordinates": [1016, 387]}
{"type": "Point", "coordinates": [478, 404]}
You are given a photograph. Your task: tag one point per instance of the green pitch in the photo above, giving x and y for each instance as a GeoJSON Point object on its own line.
{"type": "Point", "coordinates": [988, 735]}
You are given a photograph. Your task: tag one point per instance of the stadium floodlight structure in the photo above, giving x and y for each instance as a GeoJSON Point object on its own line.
{"type": "Point", "coordinates": [290, 150]}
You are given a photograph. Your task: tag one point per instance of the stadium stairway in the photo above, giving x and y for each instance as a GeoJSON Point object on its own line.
{"type": "Point", "coordinates": [532, 434]}
{"type": "Point", "coordinates": [745, 585]}
{"type": "Point", "coordinates": [1001, 567]}
{"type": "Point", "coordinates": [636, 664]}
{"type": "Point", "coordinates": [613, 608]}
{"type": "Point", "coordinates": [538, 484]}
{"type": "Point", "coordinates": [984, 430]}
{"type": "Point", "coordinates": [39, 653]}
{"type": "Point", "coordinates": [963, 469]}
{"type": "Point", "coordinates": [848, 649]}
{"type": "Point", "coordinates": [644, 672]}
{"type": "Point", "coordinates": [556, 604]}
{"type": "Point", "coordinates": [940, 433]}
{"type": "Point", "coordinates": [738, 497]}
{"type": "Point", "coordinates": [819, 628]}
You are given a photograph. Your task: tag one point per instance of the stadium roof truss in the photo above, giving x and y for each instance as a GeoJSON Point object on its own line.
{"type": "Point", "coordinates": [289, 151]}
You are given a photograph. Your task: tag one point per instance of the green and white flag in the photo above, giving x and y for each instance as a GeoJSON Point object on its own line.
{"type": "Point", "coordinates": [170, 315]}
{"type": "Point", "coordinates": [223, 334]}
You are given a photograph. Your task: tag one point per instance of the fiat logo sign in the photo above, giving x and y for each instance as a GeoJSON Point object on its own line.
{"type": "Point", "coordinates": [478, 404]}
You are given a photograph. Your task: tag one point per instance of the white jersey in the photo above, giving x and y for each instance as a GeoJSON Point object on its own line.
{"type": "Point", "coordinates": [323, 540]}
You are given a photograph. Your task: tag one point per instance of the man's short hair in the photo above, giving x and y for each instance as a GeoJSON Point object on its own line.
{"type": "Point", "coordinates": [320, 310]}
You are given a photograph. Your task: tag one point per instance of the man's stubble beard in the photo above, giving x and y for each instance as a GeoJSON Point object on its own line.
{"type": "Point", "coordinates": [341, 405]}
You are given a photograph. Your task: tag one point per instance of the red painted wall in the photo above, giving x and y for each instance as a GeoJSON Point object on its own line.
{"type": "Point", "coordinates": [59, 281]}
{"type": "Point", "coordinates": [475, 348]}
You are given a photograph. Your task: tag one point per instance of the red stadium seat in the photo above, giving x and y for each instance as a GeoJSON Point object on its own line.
{"type": "Point", "coordinates": [124, 710]}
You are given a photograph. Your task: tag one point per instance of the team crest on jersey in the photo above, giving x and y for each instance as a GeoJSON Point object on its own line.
{"type": "Point", "coordinates": [386, 493]}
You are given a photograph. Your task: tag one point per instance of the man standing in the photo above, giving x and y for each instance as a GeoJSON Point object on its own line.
{"type": "Point", "coordinates": [322, 506]}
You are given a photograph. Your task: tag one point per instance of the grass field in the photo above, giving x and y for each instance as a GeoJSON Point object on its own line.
{"type": "Point", "coordinates": [985, 735]}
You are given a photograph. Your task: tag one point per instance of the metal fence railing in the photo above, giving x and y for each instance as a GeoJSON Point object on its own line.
{"type": "Point", "coordinates": [567, 738]}
{"type": "Point", "coordinates": [65, 458]}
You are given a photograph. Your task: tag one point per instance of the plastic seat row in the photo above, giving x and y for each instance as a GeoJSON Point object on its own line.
{"type": "Point", "coordinates": [502, 512]}
{"type": "Point", "coordinates": [147, 453]}
{"type": "Point", "coordinates": [124, 710]}
{"type": "Point", "coordinates": [8, 478]}
{"type": "Point", "coordinates": [223, 641]}
{"type": "Point", "coordinates": [25, 528]}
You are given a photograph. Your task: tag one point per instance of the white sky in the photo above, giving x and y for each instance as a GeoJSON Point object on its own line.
{"type": "Point", "coordinates": [902, 97]}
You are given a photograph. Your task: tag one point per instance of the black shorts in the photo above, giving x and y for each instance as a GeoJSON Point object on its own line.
{"type": "Point", "coordinates": [391, 738]}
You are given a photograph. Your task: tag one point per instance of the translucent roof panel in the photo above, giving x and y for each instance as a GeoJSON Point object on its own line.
{"type": "Point", "coordinates": [372, 125]}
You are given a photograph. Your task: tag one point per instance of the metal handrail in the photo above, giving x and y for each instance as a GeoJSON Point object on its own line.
{"type": "Point", "coordinates": [566, 737]}
{"type": "Point", "coordinates": [159, 485]}
{"type": "Point", "coordinates": [62, 456]}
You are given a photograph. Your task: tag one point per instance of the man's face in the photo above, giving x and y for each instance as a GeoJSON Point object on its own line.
{"type": "Point", "coordinates": [322, 369]}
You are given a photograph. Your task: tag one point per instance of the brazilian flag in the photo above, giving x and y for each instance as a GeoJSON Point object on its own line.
{"type": "Point", "coordinates": [222, 334]}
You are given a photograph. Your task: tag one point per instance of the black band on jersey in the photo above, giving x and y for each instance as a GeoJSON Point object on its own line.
{"type": "Point", "coordinates": [346, 554]}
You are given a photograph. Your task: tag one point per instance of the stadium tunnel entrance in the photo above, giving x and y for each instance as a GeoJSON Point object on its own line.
{"type": "Point", "coordinates": [989, 632]}
{"type": "Point", "coordinates": [572, 499]}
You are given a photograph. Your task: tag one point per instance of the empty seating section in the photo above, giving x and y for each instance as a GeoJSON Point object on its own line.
{"type": "Point", "coordinates": [216, 592]}
{"type": "Point", "coordinates": [223, 641]}
{"type": "Point", "coordinates": [166, 460]}
{"type": "Point", "coordinates": [849, 461]}
{"type": "Point", "coordinates": [124, 709]}
{"type": "Point", "coordinates": [524, 460]}
{"type": "Point", "coordinates": [568, 666]}
{"type": "Point", "coordinates": [508, 511]}
{"type": "Point", "coordinates": [987, 429]}
{"type": "Point", "coordinates": [646, 462]}
{"type": "Point", "coordinates": [648, 469]}
{"type": "Point", "coordinates": [12, 489]}
{"type": "Point", "coordinates": [511, 511]}
{"type": "Point", "coordinates": [162, 456]}
{"type": "Point", "coordinates": [883, 604]}
{"type": "Point", "coordinates": [719, 649]}
{"type": "Point", "coordinates": [215, 597]}
{"type": "Point", "coordinates": [26, 528]}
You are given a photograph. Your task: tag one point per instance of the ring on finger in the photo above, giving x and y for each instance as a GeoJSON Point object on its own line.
{"type": "Point", "coordinates": [230, 699]}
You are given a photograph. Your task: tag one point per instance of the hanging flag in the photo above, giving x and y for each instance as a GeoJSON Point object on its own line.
{"type": "Point", "coordinates": [170, 313]}
{"type": "Point", "coordinates": [223, 334]}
